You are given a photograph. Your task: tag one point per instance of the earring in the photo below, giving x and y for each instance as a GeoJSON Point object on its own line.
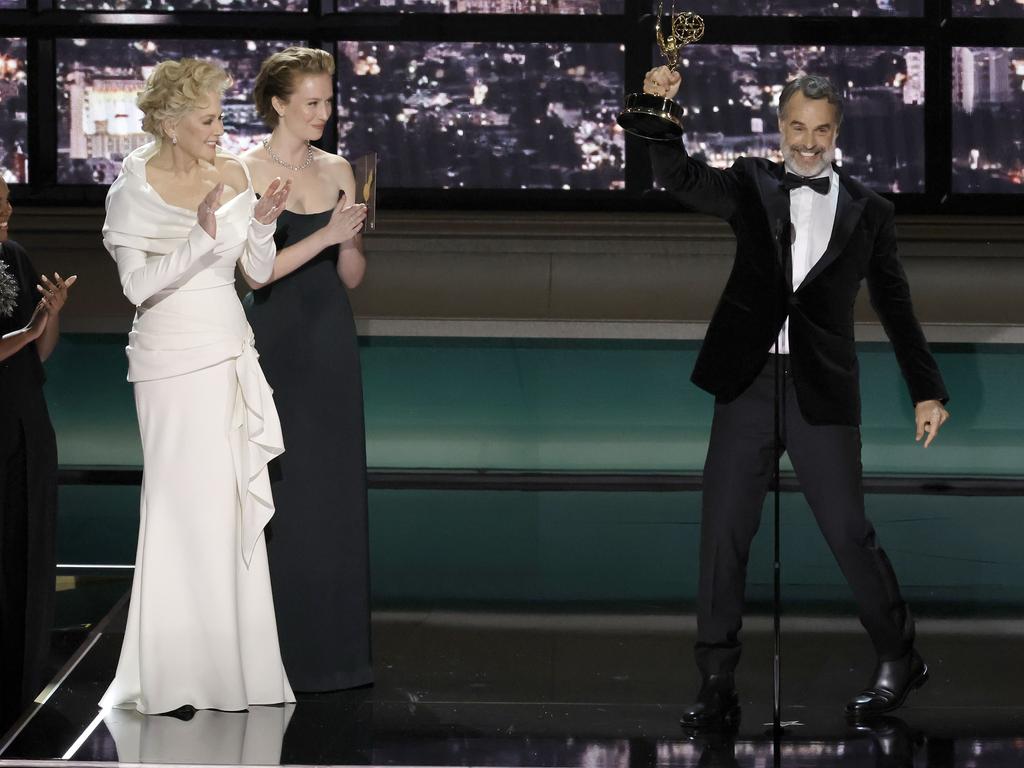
{"type": "Point", "coordinates": [174, 140]}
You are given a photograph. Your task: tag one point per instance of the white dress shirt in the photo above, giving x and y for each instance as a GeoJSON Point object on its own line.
{"type": "Point", "coordinates": [813, 216]}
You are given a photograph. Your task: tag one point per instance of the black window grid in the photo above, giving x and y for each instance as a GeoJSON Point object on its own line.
{"type": "Point", "coordinates": [41, 24]}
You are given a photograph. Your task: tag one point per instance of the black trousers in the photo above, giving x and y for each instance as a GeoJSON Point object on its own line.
{"type": "Point", "coordinates": [737, 476]}
{"type": "Point", "coordinates": [28, 462]}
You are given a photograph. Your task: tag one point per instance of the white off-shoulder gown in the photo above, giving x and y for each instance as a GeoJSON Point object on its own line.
{"type": "Point", "coordinates": [201, 628]}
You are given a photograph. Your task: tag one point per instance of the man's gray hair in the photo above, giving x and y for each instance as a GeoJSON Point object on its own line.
{"type": "Point", "coordinates": [813, 87]}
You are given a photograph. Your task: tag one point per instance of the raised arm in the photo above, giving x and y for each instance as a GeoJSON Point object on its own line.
{"type": "Point", "coordinates": [351, 259]}
{"type": "Point", "coordinates": [55, 294]}
{"type": "Point", "coordinates": [343, 226]}
{"type": "Point", "coordinates": [141, 278]}
{"type": "Point", "coordinates": [258, 258]}
{"type": "Point", "coordinates": [694, 183]}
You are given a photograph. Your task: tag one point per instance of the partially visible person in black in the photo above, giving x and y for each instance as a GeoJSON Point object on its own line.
{"type": "Point", "coordinates": [807, 235]}
{"type": "Point", "coordinates": [29, 329]}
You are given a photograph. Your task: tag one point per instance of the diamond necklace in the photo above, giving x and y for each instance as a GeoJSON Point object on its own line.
{"type": "Point", "coordinates": [289, 166]}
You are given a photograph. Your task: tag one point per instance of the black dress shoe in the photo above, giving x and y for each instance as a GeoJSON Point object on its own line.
{"type": "Point", "coordinates": [717, 704]}
{"type": "Point", "coordinates": [895, 741]}
{"type": "Point", "coordinates": [717, 747]}
{"type": "Point", "coordinates": [184, 713]}
{"type": "Point", "coordinates": [892, 683]}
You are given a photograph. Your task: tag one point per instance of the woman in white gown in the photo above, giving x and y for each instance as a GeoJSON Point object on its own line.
{"type": "Point", "coordinates": [201, 629]}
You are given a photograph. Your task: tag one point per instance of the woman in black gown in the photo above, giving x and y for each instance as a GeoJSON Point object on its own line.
{"type": "Point", "coordinates": [29, 328]}
{"type": "Point", "coordinates": [305, 334]}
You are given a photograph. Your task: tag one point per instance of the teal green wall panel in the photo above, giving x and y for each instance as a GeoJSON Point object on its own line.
{"type": "Point", "coordinates": [564, 547]}
{"type": "Point", "coordinates": [493, 546]}
{"type": "Point", "coordinates": [97, 524]}
{"type": "Point", "coordinates": [630, 406]}
{"type": "Point", "coordinates": [444, 547]}
{"type": "Point", "coordinates": [955, 551]}
{"type": "Point", "coordinates": [91, 402]}
{"type": "Point", "coordinates": [590, 405]}
{"type": "Point", "coordinates": [568, 405]}
{"type": "Point", "coordinates": [532, 405]}
{"type": "Point", "coordinates": [985, 434]}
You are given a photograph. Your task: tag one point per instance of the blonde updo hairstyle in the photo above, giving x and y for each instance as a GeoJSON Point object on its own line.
{"type": "Point", "coordinates": [175, 88]}
{"type": "Point", "coordinates": [278, 74]}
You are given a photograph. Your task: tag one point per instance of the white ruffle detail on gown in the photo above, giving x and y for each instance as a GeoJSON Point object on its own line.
{"type": "Point", "coordinates": [201, 628]}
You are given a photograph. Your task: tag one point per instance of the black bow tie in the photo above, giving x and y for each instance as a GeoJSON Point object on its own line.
{"type": "Point", "coordinates": [819, 184]}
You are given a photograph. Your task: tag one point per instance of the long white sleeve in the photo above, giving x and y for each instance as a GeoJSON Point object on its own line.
{"type": "Point", "coordinates": [260, 251]}
{"type": "Point", "coordinates": [143, 276]}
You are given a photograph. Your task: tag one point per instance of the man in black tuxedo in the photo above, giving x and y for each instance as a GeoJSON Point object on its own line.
{"type": "Point", "coordinates": [806, 236]}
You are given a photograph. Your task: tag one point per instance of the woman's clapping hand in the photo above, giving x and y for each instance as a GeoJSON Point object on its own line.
{"type": "Point", "coordinates": [54, 292]}
{"type": "Point", "coordinates": [272, 203]}
{"type": "Point", "coordinates": [346, 220]}
{"type": "Point", "coordinates": [207, 213]}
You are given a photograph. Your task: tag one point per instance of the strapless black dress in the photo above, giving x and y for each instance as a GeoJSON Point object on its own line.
{"type": "Point", "coordinates": [317, 540]}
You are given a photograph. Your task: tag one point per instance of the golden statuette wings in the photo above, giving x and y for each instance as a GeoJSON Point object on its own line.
{"type": "Point", "coordinates": [686, 27]}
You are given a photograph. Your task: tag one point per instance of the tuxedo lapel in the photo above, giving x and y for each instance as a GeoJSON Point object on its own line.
{"type": "Point", "coordinates": [848, 213]}
{"type": "Point", "coordinates": [776, 205]}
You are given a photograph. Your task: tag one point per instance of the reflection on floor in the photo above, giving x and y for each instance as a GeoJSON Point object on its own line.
{"type": "Point", "coordinates": [567, 689]}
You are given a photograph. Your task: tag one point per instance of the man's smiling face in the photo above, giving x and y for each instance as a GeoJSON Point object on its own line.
{"type": "Point", "coordinates": [809, 129]}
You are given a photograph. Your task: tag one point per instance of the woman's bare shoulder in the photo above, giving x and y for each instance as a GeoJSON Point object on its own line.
{"type": "Point", "coordinates": [338, 168]}
{"type": "Point", "coordinates": [336, 163]}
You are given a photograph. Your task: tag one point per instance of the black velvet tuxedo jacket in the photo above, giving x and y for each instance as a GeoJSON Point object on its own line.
{"type": "Point", "coordinates": [759, 294]}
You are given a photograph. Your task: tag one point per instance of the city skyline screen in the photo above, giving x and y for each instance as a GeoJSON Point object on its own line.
{"type": "Point", "coordinates": [730, 100]}
{"type": "Point", "coordinates": [98, 122]}
{"type": "Point", "coordinates": [13, 110]}
{"type": "Point", "coordinates": [484, 115]}
{"type": "Point", "coordinates": [540, 7]}
{"type": "Point", "coordinates": [169, 6]}
{"type": "Point", "coordinates": [1005, 9]}
{"type": "Point", "coordinates": [848, 8]}
{"type": "Point", "coordinates": [988, 107]}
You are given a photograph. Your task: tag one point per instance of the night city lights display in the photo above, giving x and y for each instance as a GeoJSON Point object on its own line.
{"type": "Point", "coordinates": [13, 111]}
{"type": "Point", "coordinates": [98, 122]}
{"type": "Point", "coordinates": [577, 7]}
{"type": "Point", "coordinates": [484, 115]}
{"type": "Point", "coordinates": [448, 113]}
{"type": "Point", "coordinates": [849, 8]}
{"type": "Point", "coordinates": [730, 94]}
{"type": "Point", "coordinates": [996, 9]}
{"type": "Point", "coordinates": [988, 109]}
{"type": "Point", "coordinates": [168, 6]}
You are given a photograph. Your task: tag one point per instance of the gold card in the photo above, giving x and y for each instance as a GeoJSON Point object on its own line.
{"type": "Point", "coordinates": [365, 170]}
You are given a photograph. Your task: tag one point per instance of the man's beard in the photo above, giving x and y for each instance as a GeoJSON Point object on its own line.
{"type": "Point", "coordinates": [792, 157]}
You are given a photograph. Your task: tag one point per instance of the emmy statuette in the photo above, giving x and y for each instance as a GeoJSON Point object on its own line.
{"type": "Point", "coordinates": [655, 117]}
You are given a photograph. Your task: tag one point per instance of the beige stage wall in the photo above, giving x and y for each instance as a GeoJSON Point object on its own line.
{"type": "Point", "coordinates": [576, 275]}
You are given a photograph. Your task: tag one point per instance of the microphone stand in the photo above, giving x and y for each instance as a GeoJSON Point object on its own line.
{"type": "Point", "coordinates": [777, 565]}
{"type": "Point", "coordinates": [785, 242]}
{"type": "Point", "coordinates": [777, 586]}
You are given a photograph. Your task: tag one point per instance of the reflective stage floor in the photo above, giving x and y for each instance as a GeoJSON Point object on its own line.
{"type": "Point", "coordinates": [568, 689]}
